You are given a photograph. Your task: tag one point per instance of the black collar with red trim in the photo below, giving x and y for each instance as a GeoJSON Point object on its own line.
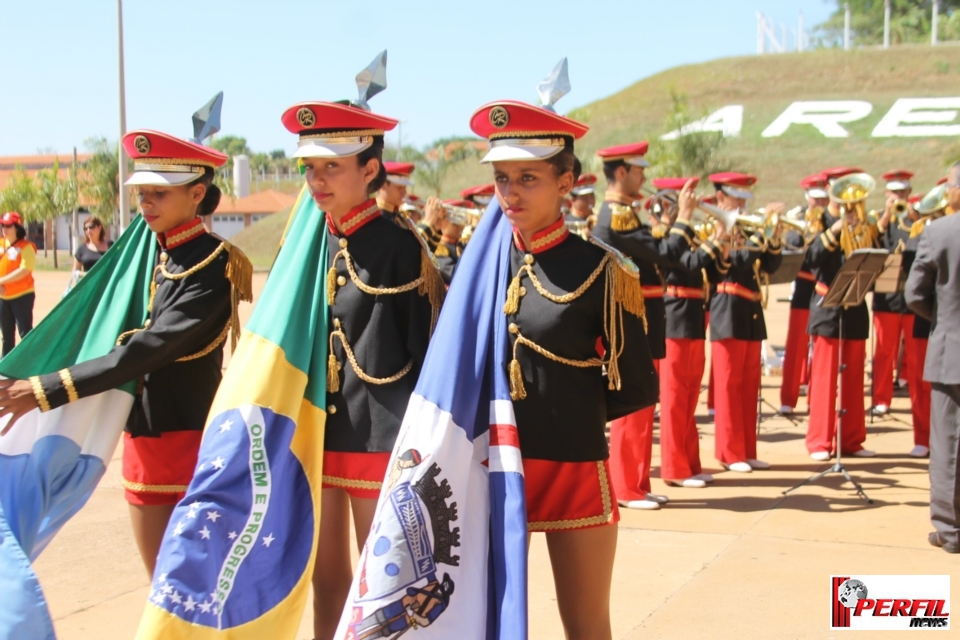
{"type": "Point", "coordinates": [183, 234]}
{"type": "Point", "coordinates": [357, 217]}
{"type": "Point", "coordinates": [544, 239]}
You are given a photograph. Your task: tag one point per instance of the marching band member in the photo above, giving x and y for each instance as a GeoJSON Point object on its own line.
{"type": "Point", "coordinates": [583, 198]}
{"type": "Point", "coordinates": [480, 195]}
{"type": "Point", "coordinates": [450, 248]}
{"type": "Point", "coordinates": [383, 293]}
{"type": "Point", "coordinates": [844, 230]}
{"type": "Point", "coordinates": [178, 355]}
{"type": "Point", "coordinates": [391, 195]}
{"type": "Point", "coordinates": [631, 437]}
{"type": "Point", "coordinates": [564, 296]}
{"type": "Point", "coordinates": [797, 350]}
{"type": "Point", "coordinates": [890, 309]}
{"type": "Point", "coordinates": [681, 370]}
{"type": "Point", "coordinates": [737, 328]}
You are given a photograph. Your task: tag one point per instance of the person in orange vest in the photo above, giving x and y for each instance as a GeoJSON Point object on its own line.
{"type": "Point", "coordinates": [16, 280]}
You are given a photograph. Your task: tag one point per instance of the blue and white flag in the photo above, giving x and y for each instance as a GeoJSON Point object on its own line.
{"type": "Point", "coordinates": [447, 552]}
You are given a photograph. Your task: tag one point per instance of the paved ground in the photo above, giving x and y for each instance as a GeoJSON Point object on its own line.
{"type": "Point", "coordinates": [737, 559]}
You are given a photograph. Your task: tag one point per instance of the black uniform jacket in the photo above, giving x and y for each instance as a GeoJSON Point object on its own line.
{"type": "Point", "coordinates": [827, 257]}
{"type": "Point", "coordinates": [448, 255]}
{"type": "Point", "coordinates": [735, 310]}
{"type": "Point", "coordinates": [805, 280]}
{"type": "Point", "coordinates": [385, 332]}
{"type": "Point", "coordinates": [188, 316]}
{"type": "Point", "coordinates": [893, 238]}
{"type": "Point", "coordinates": [685, 297]}
{"type": "Point", "coordinates": [566, 408]}
{"type": "Point", "coordinates": [617, 228]}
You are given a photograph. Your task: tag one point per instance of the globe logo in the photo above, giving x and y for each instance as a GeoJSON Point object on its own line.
{"type": "Point", "coordinates": [851, 592]}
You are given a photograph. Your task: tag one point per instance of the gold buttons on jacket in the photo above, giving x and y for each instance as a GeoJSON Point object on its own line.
{"type": "Point", "coordinates": [332, 409]}
{"type": "Point", "coordinates": [513, 328]}
{"type": "Point", "coordinates": [341, 280]}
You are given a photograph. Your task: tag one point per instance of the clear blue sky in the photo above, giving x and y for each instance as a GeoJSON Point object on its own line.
{"type": "Point", "coordinates": [58, 58]}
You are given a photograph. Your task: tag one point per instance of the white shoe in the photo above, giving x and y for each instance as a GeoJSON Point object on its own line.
{"type": "Point", "coordinates": [864, 453]}
{"type": "Point", "coordinates": [920, 451]}
{"type": "Point", "coordinates": [820, 456]}
{"type": "Point", "coordinates": [659, 498]}
{"type": "Point", "coordinates": [902, 382]}
{"type": "Point", "coordinates": [880, 410]}
{"type": "Point", "coordinates": [785, 410]}
{"type": "Point", "coordinates": [706, 477]}
{"type": "Point", "coordinates": [758, 464]}
{"type": "Point", "coordinates": [739, 467]}
{"type": "Point", "coordinates": [711, 412]}
{"type": "Point", "coordinates": [646, 505]}
{"type": "Point", "coordinates": [689, 483]}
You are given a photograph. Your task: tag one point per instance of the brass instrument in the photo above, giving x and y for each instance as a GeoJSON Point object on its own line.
{"type": "Point", "coordinates": [936, 200]}
{"type": "Point", "coordinates": [709, 211]}
{"type": "Point", "coordinates": [805, 220]}
{"type": "Point", "coordinates": [462, 216]}
{"type": "Point", "coordinates": [579, 227]}
{"type": "Point", "coordinates": [850, 192]}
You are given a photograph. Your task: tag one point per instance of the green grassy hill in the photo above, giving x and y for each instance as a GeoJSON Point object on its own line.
{"type": "Point", "coordinates": [765, 86]}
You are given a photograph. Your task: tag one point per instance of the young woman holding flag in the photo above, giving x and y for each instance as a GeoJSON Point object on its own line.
{"type": "Point", "coordinates": [176, 356]}
{"type": "Point", "coordinates": [578, 354]}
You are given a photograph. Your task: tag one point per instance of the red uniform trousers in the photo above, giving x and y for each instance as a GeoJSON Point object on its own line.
{"type": "Point", "coordinates": [681, 373]}
{"type": "Point", "coordinates": [736, 367]}
{"type": "Point", "coordinates": [710, 404]}
{"type": "Point", "coordinates": [822, 427]}
{"type": "Point", "coordinates": [795, 357]}
{"type": "Point", "coordinates": [889, 327]}
{"type": "Point", "coordinates": [915, 352]}
{"type": "Point", "coordinates": [631, 447]}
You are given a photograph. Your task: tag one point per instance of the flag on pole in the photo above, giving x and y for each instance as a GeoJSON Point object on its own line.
{"type": "Point", "coordinates": [237, 557]}
{"type": "Point", "coordinates": [51, 462]}
{"type": "Point", "coordinates": [446, 555]}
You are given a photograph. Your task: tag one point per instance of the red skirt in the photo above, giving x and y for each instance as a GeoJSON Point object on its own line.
{"type": "Point", "coordinates": [361, 474]}
{"type": "Point", "coordinates": [156, 471]}
{"type": "Point", "coordinates": [562, 496]}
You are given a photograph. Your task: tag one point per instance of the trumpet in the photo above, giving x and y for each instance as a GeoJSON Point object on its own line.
{"type": "Point", "coordinates": [462, 216]}
{"type": "Point", "coordinates": [711, 212]}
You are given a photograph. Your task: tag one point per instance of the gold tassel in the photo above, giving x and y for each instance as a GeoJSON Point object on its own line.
{"type": "Point", "coordinates": [331, 286]}
{"type": "Point", "coordinates": [431, 282]}
{"type": "Point", "coordinates": [622, 218]}
{"type": "Point", "coordinates": [659, 231]}
{"type": "Point", "coordinates": [333, 374]}
{"type": "Point", "coordinates": [240, 274]}
{"type": "Point", "coordinates": [706, 285]}
{"type": "Point", "coordinates": [442, 251]}
{"type": "Point", "coordinates": [626, 291]}
{"type": "Point", "coordinates": [917, 228]}
{"type": "Point", "coordinates": [517, 391]}
{"type": "Point", "coordinates": [512, 305]}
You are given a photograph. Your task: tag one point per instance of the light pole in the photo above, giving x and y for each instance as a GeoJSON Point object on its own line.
{"type": "Point", "coordinates": [846, 26]}
{"type": "Point", "coordinates": [886, 24]}
{"type": "Point", "coordinates": [933, 23]}
{"type": "Point", "coordinates": [124, 195]}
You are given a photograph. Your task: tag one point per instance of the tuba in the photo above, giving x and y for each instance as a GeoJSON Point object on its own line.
{"type": "Point", "coordinates": [931, 206]}
{"type": "Point", "coordinates": [850, 193]}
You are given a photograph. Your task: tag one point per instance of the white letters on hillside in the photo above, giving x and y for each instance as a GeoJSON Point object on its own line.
{"type": "Point", "coordinates": [728, 120]}
{"type": "Point", "coordinates": [913, 118]}
{"type": "Point", "coordinates": [825, 115]}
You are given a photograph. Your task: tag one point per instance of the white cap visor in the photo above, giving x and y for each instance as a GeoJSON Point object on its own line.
{"type": "Point", "coordinates": [508, 149]}
{"type": "Point", "coordinates": [897, 185]}
{"type": "Point", "coordinates": [582, 191]}
{"type": "Point", "coordinates": [637, 161]}
{"type": "Point", "coordinates": [401, 180]}
{"type": "Point", "coordinates": [318, 148]}
{"type": "Point", "coordinates": [733, 192]}
{"type": "Point", "coordinates": [817, 192]}
{"type": "Point", "coordinates": [484, 199]}
{"type": "Point", "coordinates": [161, 178]}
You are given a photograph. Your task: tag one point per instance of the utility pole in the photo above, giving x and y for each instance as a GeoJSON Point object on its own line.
{"type": "Point", "coordinates": [886, 24]}
{"type": "Point", "coordinates": [800, 32]}
{"type": "Point", "coordinates": [846, 26]}
{"type": "Point", "coordinates": [934, 23]}
{"type": "Point", "coordinates": [124, 195]}
{"type": "Point", "coordinates": [759, 34]}
{"type": "Point", "coordinates": [75, 235]}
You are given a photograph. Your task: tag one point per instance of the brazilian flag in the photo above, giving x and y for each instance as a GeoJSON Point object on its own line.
{"type": "Point", "coordinates": [237, 557]}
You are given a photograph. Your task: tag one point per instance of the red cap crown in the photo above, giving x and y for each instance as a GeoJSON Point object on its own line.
{"type": "Point", "coordinates": [479, 190]}
{"type": "Point", "coordinates": [675, 184]}
{"type": "Point", "coordinates": [915, 198]}
{"type": "Point", "coordinates": [733, 179]}
{"type": "Point", "coordinates": [838, 172]}
{"type": "Point", "coordinates": [456, 202]}
{"type": "Point", "coordinates": [898, 175]}
{"type": "Point", "coordinates": [521, 131]}
{"type": "Point", "coordinates": [942, 180]}
{"type": "Point", "coordinates": [585, 180]}
{"type": "Point", "coordinates": [624, 151]}
{"type": "Point", "coordinates": [399, 168]}
{"type": "Point", "coordinates": [816, 181]}
{"type": "Point", "coordinates": [162, 159]}
{"type": "Point", "coordinates": [11, 218]}
{"type": "Point", "coordinates": [310, 116]}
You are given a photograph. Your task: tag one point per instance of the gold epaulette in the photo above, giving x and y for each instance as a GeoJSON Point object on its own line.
{"type": "Point", "coordinates": [659, 231]}
{"type": "Point", "coordinates": [442, 251]}
{"type": "Point", "coordinates": [917, 228]}
{"type": "Point", "coordinates": [623, 217]}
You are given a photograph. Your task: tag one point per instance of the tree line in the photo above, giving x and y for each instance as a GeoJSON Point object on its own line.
{"type": "Point", "coordinates": [910, 21]}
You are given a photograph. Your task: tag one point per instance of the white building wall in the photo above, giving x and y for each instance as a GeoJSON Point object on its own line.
{"type": "Point", "coordinates": [226, 226]}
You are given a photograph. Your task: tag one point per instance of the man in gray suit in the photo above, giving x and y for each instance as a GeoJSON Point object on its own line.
{"type": "Point", "coordinates": [933, 292]}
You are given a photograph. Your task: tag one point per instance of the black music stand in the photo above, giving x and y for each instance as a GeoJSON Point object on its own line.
{"type": "Point", "coordinates": [848, 289]}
